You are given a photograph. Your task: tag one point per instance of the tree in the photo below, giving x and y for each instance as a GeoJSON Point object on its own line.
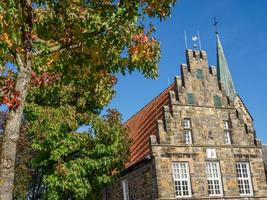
{"type": "Point", "coordinates": [64, 55]}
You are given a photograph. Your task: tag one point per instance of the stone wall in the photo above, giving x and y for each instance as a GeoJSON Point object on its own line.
{"type": "Point", "coordinates": [207, 127]}
{"type": "Point", "coordinates": [141, 183]}
{"type": "Point", "coordinates": [196, 157]}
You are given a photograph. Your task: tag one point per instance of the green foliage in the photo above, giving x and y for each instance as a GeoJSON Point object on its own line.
{"type": "Point", "coordinates": [76, 164]}
{"type": "Point", "coordinates": [76, 48]}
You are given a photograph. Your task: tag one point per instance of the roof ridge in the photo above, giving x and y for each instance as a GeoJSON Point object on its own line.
{"type": "Point", "coordinates": [148, 103]}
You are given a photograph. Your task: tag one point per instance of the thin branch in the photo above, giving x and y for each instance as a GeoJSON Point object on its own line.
{"type": "Point", "coordinates": [56, 49]}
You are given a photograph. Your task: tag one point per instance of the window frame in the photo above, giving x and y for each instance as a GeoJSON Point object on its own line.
{"type": "Point", "coordinates": [188, 139]}
{"type": "Point", "coordinates": [177, 177]}
{"type": "Point", "coordinates": [214, 179]}
{"type": "Point", "coordinates": [125, 189]}
{"type": "Point", "coordinates": [187, 120]}
{"type": "Point", "coordinates": [227, 132]}
{"type": "Point", "coordinates": [227, 137]}
{"type": "Point", "coordinates": [187, 129]}
{"type": "Point", "coordinates": [242, 178]}
{"type": "Point", "coordinates": [226, 125]}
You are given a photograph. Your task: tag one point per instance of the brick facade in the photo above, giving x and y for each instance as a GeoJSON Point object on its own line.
{"type": "Point", "coordinates": [199, 97]}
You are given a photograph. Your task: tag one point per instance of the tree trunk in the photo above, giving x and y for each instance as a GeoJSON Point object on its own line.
{"type": "Point", "coordinates": [10, 138]}
{"type": "Point", "coordinates": [11, 134]}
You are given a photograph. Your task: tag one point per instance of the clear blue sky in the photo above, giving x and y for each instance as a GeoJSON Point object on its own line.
{"type": "Point", "coordinates": [243, 32]}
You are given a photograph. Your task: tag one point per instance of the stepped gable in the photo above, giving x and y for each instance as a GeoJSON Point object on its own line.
{"type": "Point", "coordinates": [144, 123]}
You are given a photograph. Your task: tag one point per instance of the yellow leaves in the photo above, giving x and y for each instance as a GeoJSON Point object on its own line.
{"type": "Point", "coordinates": [20, 50]}
{"type": "Point", "coordinates": [1, 16]}
{"type": "Point", "coordinates": [5, 38]}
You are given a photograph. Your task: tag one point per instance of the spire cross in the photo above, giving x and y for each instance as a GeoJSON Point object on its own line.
{"type": "Point", "coordinates": [215, 24]}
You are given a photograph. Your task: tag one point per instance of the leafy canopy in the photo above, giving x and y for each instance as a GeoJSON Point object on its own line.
{"type": "Point", "coordinates": [76, 48]}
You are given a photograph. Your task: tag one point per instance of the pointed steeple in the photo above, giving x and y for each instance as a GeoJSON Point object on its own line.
{"type": "Point", "coordinates": [223, 72]}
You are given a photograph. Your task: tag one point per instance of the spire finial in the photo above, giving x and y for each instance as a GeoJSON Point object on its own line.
{"type": "Point", "coordinates": [215, 24]}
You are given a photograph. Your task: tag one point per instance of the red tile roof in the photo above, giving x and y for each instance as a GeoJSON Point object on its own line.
{"type": "Point", "coordinates": [144, 123]}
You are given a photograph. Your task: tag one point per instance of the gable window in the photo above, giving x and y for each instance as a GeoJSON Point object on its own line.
{"type": "Point", "coordinates": [188, 136]}
{"type": "Point", "coordinates": [125, 189]}
{"type": "Point", "coordinates": [244, 178]}
{"type": "Point", "coordinates": [187, 131]}
{"type": "Point", "coordinates": [226, 125]}
{"type": "Point", "coordinates": [227, 138]}
{"type": "Point", "coordinates": [181, 179]}
{"type": "Point", "coordinates": [190, 98]}
{"type": "Point", "coordinates": [200, 74]}
{"type": "Point", "coordinates": [227, 132]}
{"type": "Point", "coordinates": [214, 179]}
{"type": "Point", "coordinates": [217, 101]}
{"type": "Point", "coordinates": [187, 123]}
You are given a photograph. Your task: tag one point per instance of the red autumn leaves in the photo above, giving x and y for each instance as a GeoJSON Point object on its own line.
{"type": "Point", "coordinates": [10, 97]}
{"type": "Point", "coordinates": [44, 79]}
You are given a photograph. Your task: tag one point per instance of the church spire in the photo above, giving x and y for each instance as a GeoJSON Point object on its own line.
{"type": "Point", "coordinates": [223, 72]}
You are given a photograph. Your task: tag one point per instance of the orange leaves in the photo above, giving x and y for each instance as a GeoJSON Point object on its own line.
{"type": "Point", "coordinates": [143, 47]}
{"type": "Point", "coordinates": [141, 38]}
{"type": "Point", "coordinates": [5, 38]}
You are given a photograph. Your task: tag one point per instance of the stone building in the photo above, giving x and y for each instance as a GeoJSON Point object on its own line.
{"type": "Point", "coordinates": [195, 140]}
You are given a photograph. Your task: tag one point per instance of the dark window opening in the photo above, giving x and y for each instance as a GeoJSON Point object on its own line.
{"type": "Point", "coordinates": [190, 98]}
{"type": "Point", "coordinates": [200, 74]}
{"type": "Point", "coordinates": [217, 101]}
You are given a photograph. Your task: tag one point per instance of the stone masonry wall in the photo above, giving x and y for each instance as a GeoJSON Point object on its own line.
{"type": "Point", "coordinates": [141, 183]}
{"type": "Point", "coordinates": [207, 126]}
{"type": "Point", "coordinates": [196, 157]}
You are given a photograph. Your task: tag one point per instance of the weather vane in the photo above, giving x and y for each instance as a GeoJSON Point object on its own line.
{"type": "Point", "coordinates": [215, 24]}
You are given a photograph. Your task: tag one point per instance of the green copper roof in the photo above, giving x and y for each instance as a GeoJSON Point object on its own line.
{"type": "Point", "coordinates": [223, 72]}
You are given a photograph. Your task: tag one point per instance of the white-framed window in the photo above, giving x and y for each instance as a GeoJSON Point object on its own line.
{"type": "Point", "coordinates": [226, 125]}
{"type": "Point", "coordinates": [188, 136]}
{"type": "Point", "coordinates": [214, 179]}
{"type": "Point", "coordinates": [227, 137]}
{"type": "Point", "coordinates": [125, 189]}
{"type": "Point", "coordinates": [244, 178]}
{"type": "Point", "coordinates": [187, 123]}
{"type": "Point", "coordinates": [181, 178]}
{"type": "Point", "coordinates": [227, 132]}
{"type": "Point", "coordinates": [187, 131]}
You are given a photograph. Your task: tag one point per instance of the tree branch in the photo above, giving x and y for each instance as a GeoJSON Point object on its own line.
{"type": "Point", "coordinates": [56, 49]}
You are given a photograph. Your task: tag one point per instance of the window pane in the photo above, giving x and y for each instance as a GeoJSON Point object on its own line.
{"type": "Point", "coordinates": [187, 136]}
{"type": "Point", "coordinates": [214, 178]}
{"type": "Point", "coordinates": [227, 139]}
{"type": "Point", "coordinates": [187, 123]}
{"type": "Point", "coordinates": [244, 178]}
{"type": "Point", "coordinates": [181, 179]}
{"type": "Point", "coordinates": [226, 125]}
{"type": "Point", "coordinates": [125, 189]}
